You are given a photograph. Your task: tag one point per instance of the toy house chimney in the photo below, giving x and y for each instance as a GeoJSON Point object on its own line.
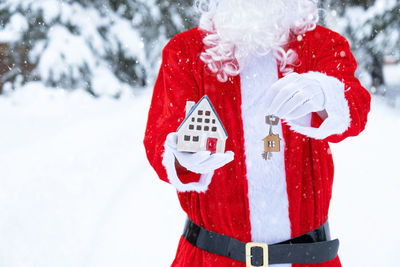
{"type": "Point", "coordinates": [189, 105]}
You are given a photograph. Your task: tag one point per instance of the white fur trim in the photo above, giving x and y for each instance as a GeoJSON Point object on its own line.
{"type": "Point", "coordinates": [267, 192]}
{"type": "Point", "coordinates": [336, 106]}
{"type": "Point", "coordinates": [169, 163]}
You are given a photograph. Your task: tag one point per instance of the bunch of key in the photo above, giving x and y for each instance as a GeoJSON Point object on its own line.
{"type": "Point", "coordinates": [272, 143]}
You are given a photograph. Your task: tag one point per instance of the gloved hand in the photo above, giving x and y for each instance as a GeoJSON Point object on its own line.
{"type": "Point", "coordinates": [294, 96]}
{"type": "Point", "coordinates": [199, 162]}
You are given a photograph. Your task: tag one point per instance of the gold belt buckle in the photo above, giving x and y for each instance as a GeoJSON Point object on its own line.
{"type": "Point", "coordinates": [251, 245]}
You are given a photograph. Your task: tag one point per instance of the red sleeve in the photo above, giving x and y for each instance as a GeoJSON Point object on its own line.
{"type": "Point", "coordinates": [332, 56]}
{"type": "Point", "coordinates": [175, 85]}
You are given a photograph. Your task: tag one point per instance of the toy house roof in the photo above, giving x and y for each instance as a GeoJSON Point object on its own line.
{"type": "Point", "coordinates": [272, 136]}
{"type": "Point", "coordinates": [193, 109]}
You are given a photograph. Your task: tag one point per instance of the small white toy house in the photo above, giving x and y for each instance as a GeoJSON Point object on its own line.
{"type": "Point", "coordinates": [202, 129]}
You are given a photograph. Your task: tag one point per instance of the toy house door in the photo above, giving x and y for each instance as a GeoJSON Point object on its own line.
{"type": "Point", "coordinates": [212, 144]}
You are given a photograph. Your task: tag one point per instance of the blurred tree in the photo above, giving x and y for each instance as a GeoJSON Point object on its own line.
{"type": "Point", "coordinates": [372, 28]}
{"type": "Point", "coordinates": [103, 46]}
{"type": "Point", "coordinates": [159, 21]}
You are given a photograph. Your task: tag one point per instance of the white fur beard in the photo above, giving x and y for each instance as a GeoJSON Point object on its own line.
{"type": "Point", "coordinates": [253, 26]}
{"type": "Point", "coordinates": [243, 28]}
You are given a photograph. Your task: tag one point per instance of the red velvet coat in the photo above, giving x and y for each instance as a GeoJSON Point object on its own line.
{"type": "Point", "coordinates": [224, 207]}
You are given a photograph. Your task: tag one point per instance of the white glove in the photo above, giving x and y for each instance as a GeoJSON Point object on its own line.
{"type": "Point", "coordinates": [199, 162]}
{"type": "Point", "coordinates": [293, 97]}
{"type": "Point", "coordinates": [297, 95]}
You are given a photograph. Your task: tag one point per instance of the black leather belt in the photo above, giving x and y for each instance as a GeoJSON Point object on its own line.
{"type": "Point", "coordinates": [313, 247]}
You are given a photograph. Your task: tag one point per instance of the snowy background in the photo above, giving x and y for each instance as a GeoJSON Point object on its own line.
{"type": "Point", "coordinates": [75, 186]}
{"type": "Point", "coordinates": [76, 189]}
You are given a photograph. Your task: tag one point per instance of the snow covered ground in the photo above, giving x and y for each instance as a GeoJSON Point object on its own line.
{"type": "Point", "coordinates": [76, 189]}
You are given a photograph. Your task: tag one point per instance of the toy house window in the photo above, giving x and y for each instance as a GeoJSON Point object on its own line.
{"type": "Point", "coordinates": [207, 120]}
{"type": "Point", "coordinates": [200, 112]}
{"type": "Point", "coordinates": [208, 113]}
{"type": "Point", "coordinates": [187, 138]}
{"type": "Point", "coordinates": [206, 128]}
{"type": "Point", "coordinates": [193, 119]}
{"type": "Point", "coordinates": [198, 127]}
{"type": "Point", "coordinates": [271, 143]}
{"type": "Point", "coordinates": [191, 127]}
{"type": "Point", "coordinates": [199, 120]}
{"type": "Point", "coordinates": [213, 121]}
{"type": "Point", "coordinates": [214, 129]}
{"type": "Point", "coordinates": [195, 139]}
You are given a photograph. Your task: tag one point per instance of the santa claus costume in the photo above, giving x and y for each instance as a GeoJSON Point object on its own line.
{"type": "Point", "coordinates": [302, 73]}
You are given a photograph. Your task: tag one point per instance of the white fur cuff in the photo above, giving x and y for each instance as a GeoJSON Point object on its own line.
{"type": "Point", "coordinates": [169, 164]}
{"type": "Point", "coordinates": [336, 106]}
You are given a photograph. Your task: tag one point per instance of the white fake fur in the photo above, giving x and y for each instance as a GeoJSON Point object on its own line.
{"type": "Point", "coordinates": [169, 164]}
{"type": "Point", "coordinates": [336, 106]}
{"type": "Point", "coordinates": [267, 192]}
